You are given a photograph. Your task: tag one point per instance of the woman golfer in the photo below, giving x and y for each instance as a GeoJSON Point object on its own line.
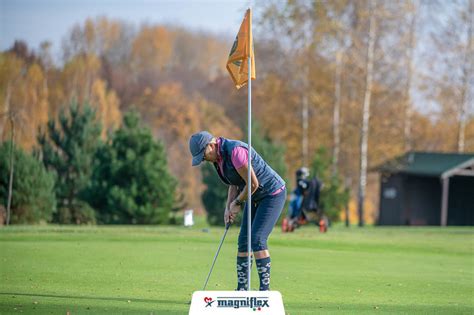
{"type": "Point", "coordinates": [230, 158]}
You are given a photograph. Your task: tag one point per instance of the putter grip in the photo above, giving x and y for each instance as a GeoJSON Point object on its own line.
{"type": "Point", "coordinates": [227, 226]}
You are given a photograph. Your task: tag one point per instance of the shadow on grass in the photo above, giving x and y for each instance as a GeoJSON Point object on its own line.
{"type": "Point", "coordinates": [91, 305]}
{"type": "Point", "coordinates": [381, 308]}
{"type": "Point", "coordinates": [101, 298]}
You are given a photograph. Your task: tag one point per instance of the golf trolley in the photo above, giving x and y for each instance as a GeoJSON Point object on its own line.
{"type": "Point", "coordinates": [304, 204]}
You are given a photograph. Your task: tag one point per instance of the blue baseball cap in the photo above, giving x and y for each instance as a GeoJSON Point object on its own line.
{"type": "Point", "coordinates": [197, 145]}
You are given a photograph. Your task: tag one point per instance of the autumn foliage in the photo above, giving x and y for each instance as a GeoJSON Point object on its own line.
{"type": "Point", "coordinates": [176, 80]}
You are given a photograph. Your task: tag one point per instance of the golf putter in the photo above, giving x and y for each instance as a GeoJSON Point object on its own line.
{"type": "Point", "coordinates": [215, 257]}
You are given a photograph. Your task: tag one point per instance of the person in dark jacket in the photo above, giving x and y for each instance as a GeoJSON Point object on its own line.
{"type": "Point", "coordinates": [230, 159]}
{"type": "Point", "coordinates": [296, 199]}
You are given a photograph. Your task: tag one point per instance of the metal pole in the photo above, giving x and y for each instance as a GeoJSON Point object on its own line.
{"type": "Point", "coordinates": [249, 179]}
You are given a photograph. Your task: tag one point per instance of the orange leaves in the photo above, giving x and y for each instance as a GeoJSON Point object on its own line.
{"type": "Point", "coordinates": [23, 97]}
{"type": "Point", "coordinates": [214, 119]}
{"type": "Point", "coordinates": [169, 111]}
{"type": "Point", "coordinates": [151, 49]}
{"type": "Point", "coordinates": [78, 76]}
{"type": "Point", "coordinates": [99, 36]}
{"type": "Point", "coordinates": [173, 115]}
{"type": "Point", "coordinates": [107, 106]}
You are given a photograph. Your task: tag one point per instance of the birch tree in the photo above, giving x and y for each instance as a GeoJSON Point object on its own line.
{"type": "Point", "coordinates": [467, 69]}
{"type": "Point", "coordinates": [337, 112]}
{"type": "Point", "coordinates": [366, 112]}
{"type": "Point", "coordinates": [451, 73]}
{"type": "Point", "coordinates": [408, 143]}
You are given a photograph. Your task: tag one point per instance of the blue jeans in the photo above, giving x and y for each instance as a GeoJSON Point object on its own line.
{"type": "Point", "coordinates": [295, 205]}
{"type": "Point", "coordinates": [265, 214]}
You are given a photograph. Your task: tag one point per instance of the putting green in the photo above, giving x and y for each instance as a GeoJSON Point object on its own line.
{"type": "Point", "coordinates": [154, 270]}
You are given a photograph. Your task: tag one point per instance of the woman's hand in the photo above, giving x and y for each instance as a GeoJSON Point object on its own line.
{"type": "Point", "coordinates": [227, 216]}
{"type": "Point", "coordinates": [231, 213]}
{"type": "Point", "coordinates": [234, 210]}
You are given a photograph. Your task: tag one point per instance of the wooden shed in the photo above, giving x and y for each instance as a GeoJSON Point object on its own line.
{"type": "Point", "coordinates": [427, 188]}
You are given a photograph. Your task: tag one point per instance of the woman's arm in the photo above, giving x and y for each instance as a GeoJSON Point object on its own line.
{"type": "Point", "coordinates": [234, 208]}
{"type": "Point", "coordinates": [231, 194]}
{"type": "Point", "coordinates": [243, 172]}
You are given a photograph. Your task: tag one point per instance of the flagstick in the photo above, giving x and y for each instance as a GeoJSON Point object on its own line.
{"type": "Point", "coordinates": [249, 179]}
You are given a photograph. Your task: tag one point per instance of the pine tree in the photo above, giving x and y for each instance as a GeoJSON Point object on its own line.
{"type": "Point", "coordinates": [131, 183]}
{"type": "Point", "coordinates": [67, 148]}
{"type": "Point", "coordinates": [33, 198]}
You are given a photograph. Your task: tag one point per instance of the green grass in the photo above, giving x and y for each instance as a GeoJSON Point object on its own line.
{"type": "Point", "coordinates": [154, 270]}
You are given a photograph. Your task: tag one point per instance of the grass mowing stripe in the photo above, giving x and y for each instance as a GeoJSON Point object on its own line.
{"type": "Point", "coordinates": [144, 270]}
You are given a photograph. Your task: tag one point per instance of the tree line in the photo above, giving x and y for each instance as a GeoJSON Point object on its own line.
{"type": "Point", "coordinates": [368, 80]}
{"type": "Point", "coordinates": [73, 176]}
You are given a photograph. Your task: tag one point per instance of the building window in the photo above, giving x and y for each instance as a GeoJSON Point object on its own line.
{"type": "Point", "coordinates": [390, 193]}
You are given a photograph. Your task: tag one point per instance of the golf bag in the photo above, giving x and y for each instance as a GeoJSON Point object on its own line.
{"type": "Point", "coordinates": [304, 204]}
{"type": "Point", "coordinates": [311, 196]}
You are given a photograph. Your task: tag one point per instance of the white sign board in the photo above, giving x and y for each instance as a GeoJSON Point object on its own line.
{"type": "Point", "coordinates": [237, 302]}
{"type": "Point", "coordinates": [188, 218]}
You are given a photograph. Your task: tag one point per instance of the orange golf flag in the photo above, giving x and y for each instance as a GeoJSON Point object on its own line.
{"type": "Point", "coordinates": [237, 64]}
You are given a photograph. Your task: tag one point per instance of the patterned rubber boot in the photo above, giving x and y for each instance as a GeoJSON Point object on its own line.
{"type": "Point", "coordinates": [263, 268]}
{"type": "Point", "coordinates": [242, 280]}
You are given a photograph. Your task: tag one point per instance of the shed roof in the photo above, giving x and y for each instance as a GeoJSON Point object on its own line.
{"type": "Point", "coordinates": [426, 163]}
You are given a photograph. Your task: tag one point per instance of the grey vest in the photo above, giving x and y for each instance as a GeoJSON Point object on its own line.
{"type": "Point", "coordinates": [269, 181]}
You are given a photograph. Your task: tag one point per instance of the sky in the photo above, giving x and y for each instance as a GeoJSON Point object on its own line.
{"type": "Point", "coordinates": [35, 21]}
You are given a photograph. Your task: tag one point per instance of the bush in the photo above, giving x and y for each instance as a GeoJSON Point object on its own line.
{"type": "Point", "coordinates": [81, 213]}
{"type": "Point", "coordinates": [33, 198]}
